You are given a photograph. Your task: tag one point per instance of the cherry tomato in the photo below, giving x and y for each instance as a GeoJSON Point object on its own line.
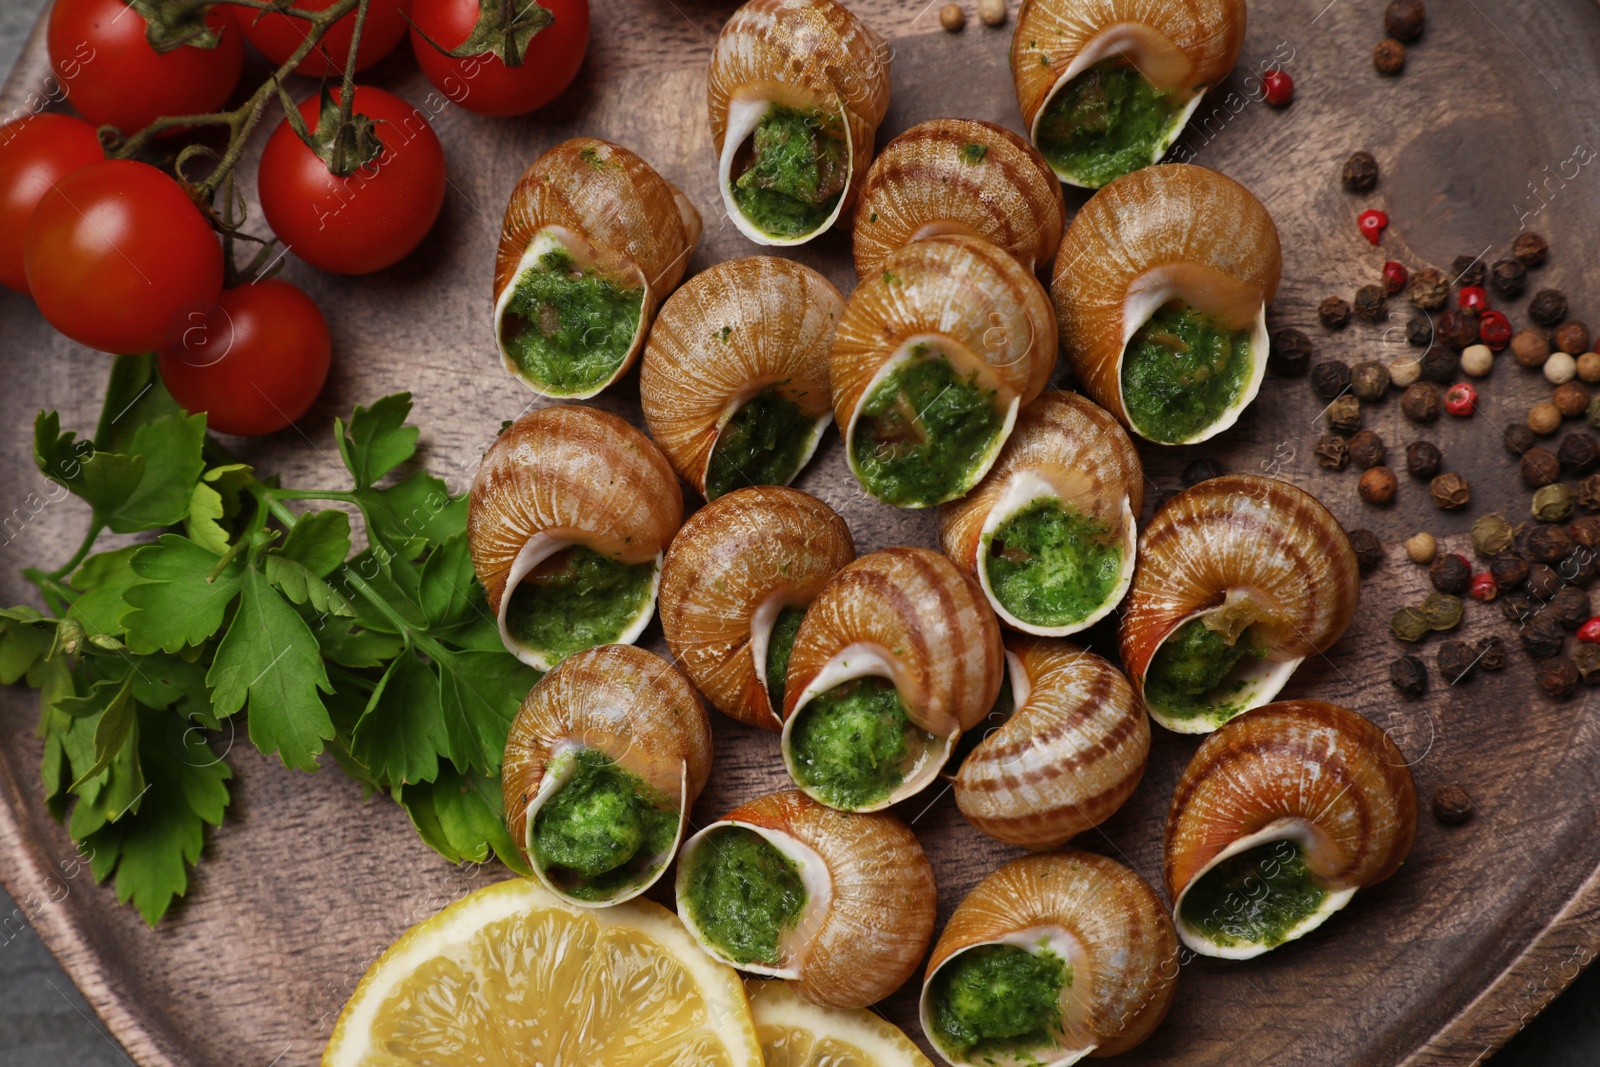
{"type": "Point", "coordinates": [116, 251]}
{"type": "Point", "coordinates": [35, 153]}
{"type": "Point", "coordinates": [484, 83]}
{"type": "Point", "coordinates": [253, 362]}
{"type": "Point", "coordinates": [112, 75]}
{"type": "Point", "coordinates": [278, 35]}
{"type": "Point", "coordinates": [370, 219]}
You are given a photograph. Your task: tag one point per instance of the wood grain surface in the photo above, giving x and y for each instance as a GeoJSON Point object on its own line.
{"type": "Point", "coordinates": [307, 882]}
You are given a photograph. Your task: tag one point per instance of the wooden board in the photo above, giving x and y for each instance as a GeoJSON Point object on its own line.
{"type": "Point", "coordinates": [308, 882]}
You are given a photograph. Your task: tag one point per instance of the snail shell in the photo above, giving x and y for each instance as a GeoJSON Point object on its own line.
{"type": "Point", "coordinates": [1063, 448]}
{"type": "Point", "coordinates": [959, 176]}
{"type": "Point", "coordinates": [1234, 552]}
{"type": "Point", "coordinates": [961, 298]}
{"type": "Point", "coordinates": [1096, 914]}
{"type": "Point", "coordinates": [814, 56]}
{"type": "Point", "coordinates": [1302, 771]}
{"type": "Point", "coordinates": [733, 332]}
{"type": "Point", "coordinates": [1174, 232]}
{"type": "Point", "coordinates": [1185, 47]}
{"type": "Point", "coordinates": [616, 219]}
{"type": "Point", "coordinates": [735, 565]}
{"type": "Point", "coordinates": [870, 904]}
{"type": "Point", "coordinates": [626, 704]}
{"type": "Point", "coordinates": [908, 615]}
{"type": "Point", "coordinates": [562, 477]}
{"type": "Point", "coordinates": [1069, 756]}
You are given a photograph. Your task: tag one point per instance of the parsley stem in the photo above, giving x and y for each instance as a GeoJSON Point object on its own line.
{"type": "Point", "coordinates": [48, 586]}
{"type": "Point", "coordinates": [308, 494]}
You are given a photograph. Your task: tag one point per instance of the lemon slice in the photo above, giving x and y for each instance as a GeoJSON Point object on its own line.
{"type": "Point", "coordinates": [513, 975]}
{"type": "Point", "coordinates": [797, 1033]}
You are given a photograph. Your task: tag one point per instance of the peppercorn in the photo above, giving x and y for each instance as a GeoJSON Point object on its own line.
{"type": "Point", "coordinates": [1457, 328]}
{"type": "Point", "coordinates": [1477, 360]}
{"type": "Point", "coordinates": [1509, 569]}
{"type": "Point", "coordinates": [1587, 659]}
{"type": "Point", "coordinates": [952, 18]}
{"type": "Point", "coordinates": [1378, 486]}
{"type": "Point", "coordinates": [1389, 57]}
{"type": "Point", "coordinates": [1455, 662]}
{"type": "Point", "coordinates": [1589, 632]}
{"type": "Point", "coordinates": [1547, 544]}
{"type": "Point", "coordinates": [1409, 675]}
{"type": "Point", "coordinates": [1369, 550]}
{"type": "Point", "coordinates": [1530, 249]}
{"type": "Point", "coordinates": [1492, 535]}
{"type": "Point", "coordinates": [1540, 467]}
{"type": "Point", "coordinates": [1560, 368]}
{"type": "Point", "coordinates": [1484, 587]}
{"type": "Point", "coordinates": [1369, 380]}
{"type": "Point", "coordinates": [1395, 276]}
{"type": "Point", "coordinates": [1334, 312]}
{"type": "Point", "coordinates": [1278, 86]}
{"type": "Point", "coordinates": [1450, 573]}
{"type": "Point", "coordinates": [1409, 625]}
{"type": "Point", "coordinates": [1469, 271]}
{"type": "Point", "coordinates": [1439, 365]}
{"type": "Point", "coordinates": [1430, 289]}
{"type": "Point", "coordinates": [992, 12]}
{"type": "Point", "coordinates": [1360, 172]}
{"type": "Point", "coordinates": [1579, 452]}
{"type": "Point", "coordinates": [1461, 400]}
{"type": "Point", "coordinates": [1420, 402]}
{"type": "Point", "coordinates": [1553, 503]}
{"type": "Point", "coordinates": [1450, 492]}
{"type": "Point", "coordinates": [1442, 610]}
{"type": "Point", "coordinates": [1403, 19]}
{"type": "Point", "coordinates": [1589, 366]}
{"type": "Point", "coordinates": [1517, 438]}
{"type": "Point", "coordinates": [1332, 451]}
{"type": "Point", "coordinates": [1570, 607]}
{"type": "Point", "coordinates": [1558, 677]}
{"type": "Point", "coordinates": [1201, 470]}
{"type": "Point", "coordinates": [1494, 329]}
{"type": "Point", "coordinates": [1572, 337]}
{"type": "Point", "coordinates": [1518, 608]}
{"type": "Point", "coordinates": [1570, 398]}
{"type": "Point", "coordinates": [1372, 223]}
{"type": "Point", "coordinates": [1589, 493]}
{"type": "Point", "coordinates": [1423, 459]}
{"type": "Point", "coordinates": [1290, 352]}
{"type": "Point", "coordinates": [1422, 547]}
{"type": "Point", "coordinates": [1544, 418]}
{"type": "Point", "coordinates": [1451, 805]}
{"type": "Point", "coordinates": [1419, 331]}
{"type": "Point", "coordinates": [1330, 378]}
{"type": "Point", "coordinates": [1531, 347]}
{"type": "Point", "coordinates": [1593, 415]}
{"type": "Point", "coordinates": [1548, 307]}
{"type": "Point", "coordinates": [1542, 637]}
{"type": "Point", "coordinates": [1543, 581]}
{"type": "Point", "coordinates": [1491, 653]}
{"type": "Point", "coordinates": [1508, 277]}
{"type": "Point", "coordinates": [1370, 302]}
{"type": "Point", "coordinates": [1472, 297]}
{"type": "Point", "coordinates": [1344, 414]}
{"type": "Point", "coordinates": [1585, 532]}
{"type": "Point", "coordinates": [1368, 450]}
{"type": "Point", "coordinates": [1580, 567]}
{"type": "Point", "coordinates": [1406, 371]}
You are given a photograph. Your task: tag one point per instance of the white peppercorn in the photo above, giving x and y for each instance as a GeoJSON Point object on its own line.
{"type": "Point", "coordinates": [1560, 368]}
{"type": "Point", "coordinates": [1478, 360]}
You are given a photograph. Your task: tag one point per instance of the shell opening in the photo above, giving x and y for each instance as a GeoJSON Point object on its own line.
{"type": "Point", "coordinates": [762, 623]}
{"type": "Point", "coordinates": [735, 461]}
{"type": "Point", "coordinates": [630, 623]}
{"type": "Point", "coordinates": [1295, 923]}
{"type": "Point", "coordinates": [1250, 683]}
{"type": "Point", "coordinates": [746, 110]}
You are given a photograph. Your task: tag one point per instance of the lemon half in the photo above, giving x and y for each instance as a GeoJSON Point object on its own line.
{"type": "Point", "coordinates": [797, 1033]}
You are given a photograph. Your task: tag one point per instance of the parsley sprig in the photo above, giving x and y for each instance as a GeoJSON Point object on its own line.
{"type": "Point", "coordinates": [385, 657]}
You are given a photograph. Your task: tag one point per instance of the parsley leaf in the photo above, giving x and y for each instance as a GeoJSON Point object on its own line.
{"type": "Point", "coordinates": [376, 440]}
{"type": "Point", "coordinates": [462, 818]}
{"type": "Point", "coordinates": [180, 602]}
{"type": "Point", "coordinates": [481, 692]}
{"type": "Point", "coordinates": [401, 733]}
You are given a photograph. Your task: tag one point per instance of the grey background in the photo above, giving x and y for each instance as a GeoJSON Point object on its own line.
{"type": "Point", "coordinates": [45, 1023]}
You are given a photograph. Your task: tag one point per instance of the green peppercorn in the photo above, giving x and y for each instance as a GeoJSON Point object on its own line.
{"type": "Point", "coordinates": [1492, 534]}
{"type": "Point", "coordinates": [1409, 625]}
{"type": "Point", "coordinates": [1553, 503]}
{"type": "Point", "coordinates": [1442, 611]}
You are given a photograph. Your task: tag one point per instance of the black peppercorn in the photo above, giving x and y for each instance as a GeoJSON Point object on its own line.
{"type": "Point", "coordinates": [1558, 677]}
{"type": "Point", "coordinates": [1543, 581]}
{"type": "Point", "coordinates": [1530, 249]}
{"type": "Point", "coordinates": [1540, 466]}
{"type": "Point", "coordinates": [1330, 378]}
{"type": "Point", "coordinates": [1368, 450]}
{"type": "Point", "coordinates": [1449, 492]}
{"type": "Point", "coordinates": [1290, 352]}
{"type": "Point", "coordinates": [1440, 365]}
{"type": "Point", "coordinates": [1430, 289]}
{"type": "Point", "coordinates": [1542, 637]}
{"type": "Point", "coordinates": [1334, 312]}
{"type": "Point", "coordinates": [1451, 805]}
{"type": "Point", "coordinates": [1518, 607]}
{"type": "Point", "coordinates": [1519, 437]}
{"type": "Point", "coordinates": [1580, 567]}
{"type": "Point", "coordinates": [1389, 58]}
{"type": "Point", "coordinates": [1570, 607]}
{"type": "Point", "coordinates": [1369, 550]}
{"type": "Point", "coordinates": [1421, 402]}
{"type": "Point", "coordinates": [1585, 531]}
{"type": "Point", "coordinates": [1450, 573]}
{"type": "Point", "coordinates": [1332, 451]}
{"type": "Point", "coordinates": [1508, 277]}
{"type": "Point", "coordinates": [1587, 659]}
{"type": "Point", "coordinates": [1403, 19]}
{"type": "Point", "coordinates": [1589, 493]}
{"type": "Point", "coordinates": [1456, 662]}
{"type": "Point", "coordinates": [1548, 543]}
{"type": "Point", "coordinates": [1419, 331]}
{"type": "Point", "coordinates": [1579, 452]}
{"type": "Point", "coordinates": [1457, 328]}
{"type": "Point", "coordinates": [1377, 485]}
{"type": "Point", "coordinates": [1508, 569]}
{"type": "Point", "coordinates": [1423, 459]}
{"type": "Point", "coordinates": [1469, 270]}
{"type": "Point", "coordinates": [1548, 307]}
{"type": "Point", "coordinates": [1409, 675]}
{"type": "Point", "coordinates": [1369, 380]}
{"type": "Point", "coordinates": [1344, 414]}
{"type": "Point", "coordinates": [1370, 302]}
{"type": "Point", "coordinates": [1491, 654]}
{"type": "Point", "coordinates": [1201, 470]}
{"type": "Point", "coordinates": [1360, 172]}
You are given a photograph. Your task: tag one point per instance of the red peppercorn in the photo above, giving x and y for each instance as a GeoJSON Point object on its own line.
{"type": "Point", "coordinates": [1461, 399]}
{"type": "Point", "coordinates": [1473, 297]}
{"type": "Point", "coordinates": [1590, 631]}
{"type": "Point", "coordinates": [1494, 329]}
{"type": "Point", "coordinates": [1372, 223]}
{"type": "Point", "coordinates": [1279, 87]}
{"type": "Point", "coordinates": [1395, 276]}
{"type": "Point", "coordinates": [1484, 587]}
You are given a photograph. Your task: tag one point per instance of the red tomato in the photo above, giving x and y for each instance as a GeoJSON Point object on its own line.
{"type": "Point", "coordinates": [254, 362]}
{"type": "Point", "coordinates": [485, 84]}
{"type": "Point", "coordinates": [35, 153]}
{"type": "Point", "coordinates": [278, 35]}
{"type": "Point", "coordinates": [370, 219]}
{"type": "Point", "coordinates": [112, 75]}
{"type": "Point", "coordinates": [116, 251]}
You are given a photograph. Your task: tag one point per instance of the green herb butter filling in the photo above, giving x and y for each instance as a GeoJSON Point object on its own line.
{"type": "Point", "coordinates": [1188, 674]}
{"type": "Point", "coordinates": [577, 599]}
{"type": "Point", "coordinates": [604, 829]}
{"type": "Point", "coordinates": [567, 330]}
{"type": "Point", "coordinates": [923, 433]}
{"type": "Point", "coordinates": [1051, 565]}
{"type": "Point", "coordinates": [998, 1000]}
{"type": "Point", "coordinates": [853, 744]}
{"type": "Point", "coordinates": [764, 443]}
{"type": "Point", "coordinates": [1181, 371]}
{"type": "Point", "coordinates": [1107, 122]}
{"type": "Point", "coordinates": [1254, 898]}
{"type": "Point", "coordinates": [793, 172]}
{"type": "Point", "coordinates": [779, 644]}
{"type": "Point", "coordinates": [743, 894]}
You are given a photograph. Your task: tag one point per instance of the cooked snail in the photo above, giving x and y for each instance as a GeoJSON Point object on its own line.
{"type": "Point", "coordinates": [932, 359]}
{"type": "Point", "coordinates": [840, 904]}
{"type": "Point", "coordinates": [1161, 289]}
{"type": "Point", "coordinates": [959, 176]}
{"type": "Point", "coordinates": [1278, 819]}
{"type": "Point", "coordinates": [895, 658]}
{"type": "Point", "coordinates": [1069, 755]}
{"type": "Point", "coordinates": [1050, 959]}
{"type": "Point", "coordinates": [734, 587]}
{"type": "Point", "coordinates": [734, 379]}
{"type": "Point", "coordinates": [593, 240]}
{"type": "Point", "coordinates": [797, 89]}
{"type": "Point", "coordinates": [1106, 86]}
{"type": "Point", "coordinates": [1049, 532]}
{"type": "Point", "coordinates": [1239, 579]}
{"type": "Point", "coordinates": [570, 512]}
{"type": "Point", "coordinates": [603, 762]}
